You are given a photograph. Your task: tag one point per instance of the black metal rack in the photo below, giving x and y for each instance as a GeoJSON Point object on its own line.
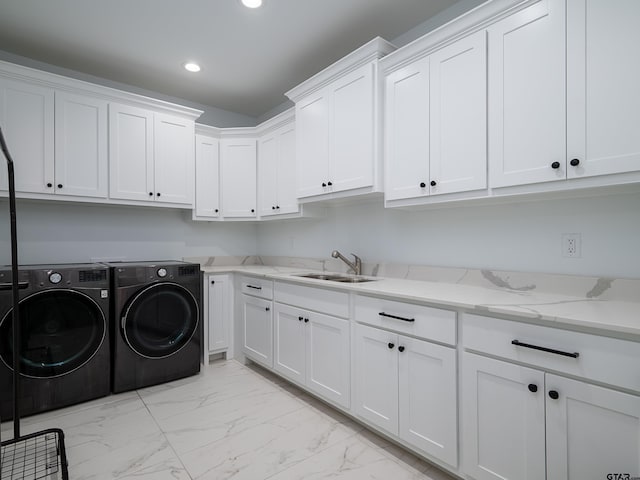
{"type": "Point", "coordinates": [37, 455]}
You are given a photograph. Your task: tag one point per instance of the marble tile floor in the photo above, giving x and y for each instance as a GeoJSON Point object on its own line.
{"type": "Point", "coordinates": [229, 422]}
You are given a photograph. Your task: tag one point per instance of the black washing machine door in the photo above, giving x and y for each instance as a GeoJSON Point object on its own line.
{"type": "Point", "coordinates": [60, 330]}
{"type": "Point", "coordinates": [160, 319]}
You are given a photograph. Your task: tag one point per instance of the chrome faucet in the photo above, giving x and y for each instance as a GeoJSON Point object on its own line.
{"type": "Point", "coordinates": [356, 266]}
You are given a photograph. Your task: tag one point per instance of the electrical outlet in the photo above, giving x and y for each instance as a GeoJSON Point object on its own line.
{"type": "Point", "coordinates": [571, 245]}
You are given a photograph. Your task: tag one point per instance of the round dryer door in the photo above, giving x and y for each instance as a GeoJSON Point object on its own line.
{"type": "Point", "coordinates": [160, 320]}
{"type": "Point", "coordinates": [60, 331]}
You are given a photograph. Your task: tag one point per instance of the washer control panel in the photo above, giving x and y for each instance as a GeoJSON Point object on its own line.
{"type": "Point", "coordinates": [55, 278]}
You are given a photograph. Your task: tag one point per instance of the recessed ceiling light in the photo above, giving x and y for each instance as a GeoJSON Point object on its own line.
{"type": "Point", "coordinates": [252, 3]}
{"type": "Point", "coordinates": [192, 67]}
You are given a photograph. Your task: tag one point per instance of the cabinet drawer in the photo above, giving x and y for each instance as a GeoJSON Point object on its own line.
{"type": "Point", "coordinates": [258, 287]}
{"type": "Point", "coordinates": [311, 298]}
{"type": "Point", "coordinates": [417, 320]}
{"type": "Point", "coordinates": [601, 359]}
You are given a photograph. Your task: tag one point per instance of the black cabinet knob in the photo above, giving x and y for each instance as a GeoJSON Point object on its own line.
{"type": "Point", "coordinates": [300, 319]}
{"type": "Point", "coordinates": [151, 194]}
{"type": "Point", "coordinates": [390, 345]}
{"type": "Point", "coordinates": [401, 348]}
{"type": "Point", "coordinates": [59, 185]}
{"type": "Point", "coordinates": [555, 165]}
{"type": "Point", "coordinates": [273, 208]}
{"type": "Point", "coordinates": [158, 194]}
{"type": "Point", "coordinates": [324, 184]}
{"type": "Point", "coordinates": [423, 185]}
{"type": "Point", "coordinates": [329, 183]}
{"type": "Point", "coordinates": [277, 207]}
{"type": "Point", "coordinates": [49, 185]}
{"type": "Point", "coordinates": [252, 210]}
{"type": "Point", "coordinates": [574, 162]}
{"type": "Point", "coordinates": [267, 309]}
{"type": "Point", "coordinates": [432, 183]}
{"type": "Point", "coordinates": [212, 282]}
{"type": "Point", "coordinates": [306, 320]}
{"type": "Point", "coordinates": [216, 210]}
{"type": "Point", "coordinates": [554, 394]}
{"type": "Point", "coordinates": [533, 388]}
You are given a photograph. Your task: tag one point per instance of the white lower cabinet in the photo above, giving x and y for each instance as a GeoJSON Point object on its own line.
{"type": "Point", "coordinates": [407, 387]}
{"type": "Point", "coordinates": [257, 328]}
{"type": "Point", "coordinates": [312, 349]}
{"type": "Point", "coordinates": [219, 314]}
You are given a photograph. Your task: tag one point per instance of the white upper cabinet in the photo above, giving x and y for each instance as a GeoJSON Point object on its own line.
{"type": "Point", "coordinates": [337, 123]}
{"type": "Point", "coordinates": [238, 177]}
{"type": "Point", "coordinates": [207, 201]}
{"type": "Point", "coordinates": [80, 145]}
{"type": "Point", "coordinates": [174, 159]}
{"type": "Point", "coordinates": [603, 74]}
{"type": "Point", "coordinates": [527, 102]}
{"type": "Point", "coordinates": [130, 153]}
{"type": "Point", "coordinates": [277, 172]}
{"type": "Point", "coordinates": [26, 118]}
{"type": "Point", "coordinates": [435, 124]}
{"type": "Point", "coordinates": [151, 156]}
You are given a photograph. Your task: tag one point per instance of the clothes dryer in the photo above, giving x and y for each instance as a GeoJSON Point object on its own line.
{"type": "Point", "coordinates": [155, 322]}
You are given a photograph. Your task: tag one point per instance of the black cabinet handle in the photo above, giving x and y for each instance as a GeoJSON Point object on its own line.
{"type": "Point", "coordinates": [545, 349]}
{"type": "Point", "coordinates": [555, 165]}
{"type": "Point", "coordinates": [574, 162]}
{"type": "Point", "coordinates": [423, 185]}
{"type": "Point", "coordinates": [49, 185]}
{"type": "Point", "coordinates": [273, 208]}
{"type": "Point", "coordinates": [433, 183]}
{"type": "Point", "coordinates": [151, 194]}
{"type": "Point", "coordinates": [277, 207]}
{"type": "Point", "coordinates": [401, 348]}
{"type": "Point", "coordinates": [158, 194]}
{"type": "Point", "coordinates": [390, 345]}
{"type": "Point", "coordinates": [59, 185]}
{"type": "Point", "coordinates": [324, 184]}
{"type": "Point", "coordinates": [388, 315]}
{"type": "Point", "coordinates": [267, 309]}
{"type": "Point", "coordinates": [254, 287]}
{"type": "Point", "coordinates": [329, 183]}
{"type": "Point", "coordinates": [300, 319]}
{"type": "Point", "coordinates": [554, 394]}
{"type": "Point", "coordinates": [533, 388]}
{"type": "Point", "coordinates": [306, 320]}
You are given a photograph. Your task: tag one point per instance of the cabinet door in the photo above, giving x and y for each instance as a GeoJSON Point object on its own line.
{"type": "Point", "coordinates": [328, 365]}
{"type": "Point", "coordinates": [174, 159]}
{"type": "Point", "coordinates": [257, 323]}
{"type": "Point", "coordinates": [376, 385]}
{"type": "Point", "coordinates": [268, 175]}
{"type": "Point", "coordinates": [238, 175]}
{"type": "Point", "coordinates": [603, 74]}
{"type": "Point", "coordinates": [591, 431]}
{"type": "Point", "coordinates": [458, 138]}
{"type": "Point", "coordinates": [26, 118]}
{"type": "Point", "coordinates": [286, 182]}
{"type": "Point", "coordinates": [289, 342]}
{"type": "Point", "coordinates": [407, 131]}
{"type": "Point", "coordinates": [503, 431]}
{"type": "Point", "coordinates": [428, 415]}
{"type": "Point", "coordinates": [219, 307]}
{"type": "Point", "coordinates": [130, 153]}
{"type": "Point", "coordinates": [81, 146]}
{"type": "Point", "coordinates": [312, 144]}
{"type": "Point", "coordinates": [351, 131]}
{"type": "Point", "coordinates": [207, 177]}
{"type": "Point", "coordinates": [527, 112]}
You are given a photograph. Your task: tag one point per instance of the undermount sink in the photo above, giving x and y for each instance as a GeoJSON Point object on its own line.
{"type": "Point", "coordinates": [336, 278]}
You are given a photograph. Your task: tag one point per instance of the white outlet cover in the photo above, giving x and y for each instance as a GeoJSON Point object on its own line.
{"type": "Point", "coordinates": [571, 245]}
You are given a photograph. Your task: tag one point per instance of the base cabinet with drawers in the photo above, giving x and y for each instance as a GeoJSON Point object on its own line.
{"type": "Point", "coordinates": [407, 386]}
{"type": "Point", "coordinates": [525, 423]}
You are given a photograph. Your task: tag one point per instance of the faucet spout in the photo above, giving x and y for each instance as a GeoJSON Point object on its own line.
{"type": "Point", "coordinates": [356, 265]}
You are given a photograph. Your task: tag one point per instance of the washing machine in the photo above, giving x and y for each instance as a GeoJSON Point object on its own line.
{"type": "Point", "coordinates": [64, 330]}
{"type": "Point", "coordinates": [156, 324]}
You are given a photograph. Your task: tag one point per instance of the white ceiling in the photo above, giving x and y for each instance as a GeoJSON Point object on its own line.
{"type": "Point", "coordinates": [249, 57]}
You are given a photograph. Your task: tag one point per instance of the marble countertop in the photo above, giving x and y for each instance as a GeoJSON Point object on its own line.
{"type": "Point", "coordinates": [608, 317]}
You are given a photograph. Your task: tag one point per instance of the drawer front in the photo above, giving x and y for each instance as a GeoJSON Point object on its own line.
{"type": "Point", "coordinates": [418, 320]}
{"type": "Point", "coordinates": [257, 287]}
{"type": "Point", "coordinates": [601, 359]}
{"type": "Point", "coordinates": [310, 298]}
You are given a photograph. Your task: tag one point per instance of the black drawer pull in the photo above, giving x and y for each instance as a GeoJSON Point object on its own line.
{"type": "Point", "coordinates": [382, 314]}
{"type": "Point", "coordinates": [545, 349]}
{"type": "Point", "coordinates": [9, 286]}
{"type": "Point", "coordinates": [255, 288]}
